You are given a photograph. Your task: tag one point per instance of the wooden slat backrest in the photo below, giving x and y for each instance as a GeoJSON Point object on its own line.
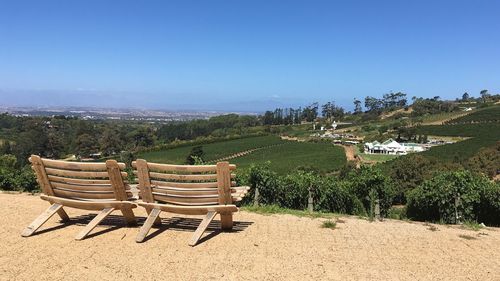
{"type": "Point", "coordinates": [115, 176]}
{"type": "Point", "coordinates": [224, 183]}
{"type": "Point", "coordinates": [81, 181]}
{"type": "Point", "coordinates": [41, 175]}
{"type": "Point", "coordinates": [184, 184]}
{"type": "Point", "coordinates": [144, 180]}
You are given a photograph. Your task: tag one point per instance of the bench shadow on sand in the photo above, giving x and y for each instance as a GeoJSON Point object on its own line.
{"type": "Point", "coordinates": [114, 222]}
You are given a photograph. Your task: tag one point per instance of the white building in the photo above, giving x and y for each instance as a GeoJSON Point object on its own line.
{"type": "Point", "coordinates": [391, 146]}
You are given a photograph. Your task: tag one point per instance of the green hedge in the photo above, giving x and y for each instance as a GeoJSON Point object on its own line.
{"type": "Point", "coordinates": [350, 195]}
{"type": "Point", "coordinates": [13, 178]}
{"type": "Point", "coordinates": [454, 197]}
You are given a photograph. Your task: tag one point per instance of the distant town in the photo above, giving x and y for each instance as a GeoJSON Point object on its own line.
{"type": "Point", "coordinates": [132, 114]}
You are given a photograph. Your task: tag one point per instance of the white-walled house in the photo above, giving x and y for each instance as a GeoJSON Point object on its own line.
{"type": "Point", "coordinates": [393, 147]}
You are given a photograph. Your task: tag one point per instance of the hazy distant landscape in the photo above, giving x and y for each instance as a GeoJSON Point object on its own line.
{"type": "Point", "coordinates": [115, 113]}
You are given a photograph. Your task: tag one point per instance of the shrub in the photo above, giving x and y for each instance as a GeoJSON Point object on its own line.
{"type": "Point", "coordinates": [489, 207]}
{"type": "Point", "coordinates": [336, 197]}
{"type": "Point", "coordinates": [261, 177]}
{"type": "Point", "coordinates": [293, 189]}
{"type": "Point", "coordinates": [408, 172]}
{"type": "Point", "coordinates": [362, 181]}
{"type": "Point", "coordinates": [450, 197]}
{"type": "Point", "coordinates": [329, 194]}
{"type": "Point", "coordinates": [6, 179]}
{"type": "Point", "coordinates": [19, 180]}
{"type": "Point", "coordinates": [397, 213]}
{"type": "Point", "coordinates": [25, 180]}
{"type": "Point", "coordinates": [486, 161]}
{"type": "Point", "coordinates": [195, 154]}
{"type": "Point", "coordinates": [329, 224]}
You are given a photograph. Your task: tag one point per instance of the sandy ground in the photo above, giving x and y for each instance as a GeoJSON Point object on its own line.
{"type": "Point", "coordinates": [276, 247]}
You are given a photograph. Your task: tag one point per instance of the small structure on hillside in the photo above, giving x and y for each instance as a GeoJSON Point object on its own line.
{"type": "Point", "coordinates": [334, 125]}
{"type": "Point", "coordinates": [392, 147]}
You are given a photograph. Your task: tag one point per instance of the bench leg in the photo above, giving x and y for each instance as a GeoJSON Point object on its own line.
{"type": "Point", "coordinates": [63, 215]}
{"type": "Point", "coordinates": [41, 219]}
{"type": "Point", "coordinates": [129, 216]}
{"type": "Point", "coordinates": [154, 214]}
{"type": "Point", "coordinates": [226, 221]}
{"type": "Point", "coordinates": [202, 227]}
{"type": "Point", "coordinates": [157, 220]}
{"type": "Point", "coordinates": [93, 223]}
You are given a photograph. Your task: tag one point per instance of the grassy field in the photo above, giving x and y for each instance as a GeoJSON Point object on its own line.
{"type": "Point", "coordinates": [285, 157]}
{"type": "Point", "coordinates": [378, 157]}
{"type": "Point", "coordinates": [324, 157]}
{"type": "Point", "coordinates": [303, 130]}
{"type": "Point", "coordinates": [441, 117]}
{"type": "Point", "coordinates": [482, 135]}
{"type": "Point", "coordinates": [212, 151]}
{"type": "Point", "coordinates": [488, 114]}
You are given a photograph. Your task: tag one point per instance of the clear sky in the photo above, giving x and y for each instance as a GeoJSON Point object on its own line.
{"type": "Point", "coordinates": [243, 55]}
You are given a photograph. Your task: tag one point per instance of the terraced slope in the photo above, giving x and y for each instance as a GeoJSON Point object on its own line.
{"type": "Point", "coordinates": [324, 157]}
{"type": "Point", "coordinates": [212, 151]}
{"type": "Point", "coordinates": [482, 135]}
{"type": "Point", "coordinates": [485, 115]}
{"type": "Point", "coordinates": [283, 155]}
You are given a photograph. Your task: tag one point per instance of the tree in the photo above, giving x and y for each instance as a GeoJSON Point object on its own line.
{"type": "Point", "coordinates": [408, 133]}
{"type": "Point", "coordinates": [465, 97]}
{"type": "Point", "coordinates": [5, 148]}
{"type": "Point", "coordinates": [110, 142]}
{"type": "Point", "coordinates": [486, 161]}
{"type": "Point", "coordinates": [368, 180]}
{"type": "Point", "coordinates": [374, 105]}
{"type": "Point", "coordinates": [196, 154]}
{"type": "Point", "coordinates": [8, 161]}
{"type": "Point", "coordinates": [484, 95]}
{"type": "Point", "coordinates": [401, 100]}
{"type": "Point", "coordinates": [382, 129]}
{"type": "Point", "coordinates": [451, 197]}
{"type": "Point", "coordinates": [268, 118]}
{"type": "Point", "coordinates": [310, 113]}
{"type": "Point", "coordinates": [357, 107]}
{"type": "Point", "coordinates": [423, 106]}
{"type": "Point", "coordinates": [85, 144]}
{"type": "Point", "coordinates": [55, 146]}
{"type": "Point", "coordinates": [144, 137]}
{"type": "Point", "coordinates": [327, 110]}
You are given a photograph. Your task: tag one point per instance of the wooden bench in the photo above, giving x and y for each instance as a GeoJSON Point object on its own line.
{"type": "Point", "coordinates": [87, 186]}
{"type": "Point", "coordinates": [192, 190]}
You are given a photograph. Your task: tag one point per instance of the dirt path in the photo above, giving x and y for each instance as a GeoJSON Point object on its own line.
{"type": "Point", "coordinates": [242, 153]}
{"type": "Point", "coordinates": [277, 247]}
{"type": "Point", "coordinates": [440, 122]}
{"type": "Point", "coordinates": [350, 154]}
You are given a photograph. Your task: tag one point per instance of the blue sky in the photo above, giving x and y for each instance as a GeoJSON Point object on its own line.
{"type": "Point", "coordinates": [243, 55]}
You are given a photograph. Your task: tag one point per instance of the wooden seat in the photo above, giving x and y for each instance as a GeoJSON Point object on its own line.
{"type": "Point", "coordinates": [87, 186]}
{"type": "Point", "coordinates": [192, 190]}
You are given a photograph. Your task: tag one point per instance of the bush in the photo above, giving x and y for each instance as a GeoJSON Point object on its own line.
{"type": "Point", "coordinates": [368, 179]}
{"type": "Point", "coordinates": [337, 198]}
{"type": "Point", "coordinates": [261, 177]}
{"type": "Point", "coordinates": [18, 180]}
{"type": "Point", "coordinates": [450, 197]}
{"type": "Point", "coordinates": [292, 191]}
{"type": "Point", "coordinates": [408, 172]}
{"type": "Point", "coordinates": [25, 180]}
{"type": "Point", "coordinates": [489, 207]}
{"type": "Point", "coordinates": [397, 213]}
